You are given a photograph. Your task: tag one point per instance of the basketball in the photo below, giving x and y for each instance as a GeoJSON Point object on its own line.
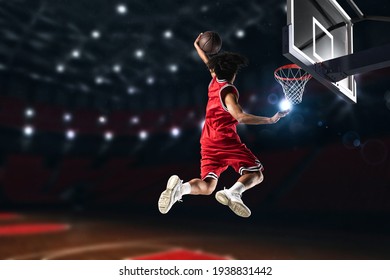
{"type": "Point", "coordinates": [210, 42]}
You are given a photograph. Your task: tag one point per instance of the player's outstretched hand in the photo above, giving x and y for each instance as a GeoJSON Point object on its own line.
{"type": "Point", "coordinates": [279, 115]}
{"type": "Point", "coordinates": [284, 113]}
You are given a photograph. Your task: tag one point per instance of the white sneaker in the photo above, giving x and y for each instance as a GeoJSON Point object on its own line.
{"type": "Point", "coordinates": [234, 201]}
{"type": "Point", "coordinates": [170, 195]}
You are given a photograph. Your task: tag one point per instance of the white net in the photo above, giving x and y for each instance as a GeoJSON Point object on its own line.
{"type": "Point", "coordinates": [293, 79]}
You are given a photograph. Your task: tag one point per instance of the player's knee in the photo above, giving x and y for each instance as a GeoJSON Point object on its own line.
{"type": "Point", "coordinates": [259, 177]}
{"type": "Point", "coordinates": [210, 186]}
{"type": "Point", "coordinates": [209, 191]}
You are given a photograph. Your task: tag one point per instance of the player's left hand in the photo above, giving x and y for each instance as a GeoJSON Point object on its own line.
{"type": "Point", "coordinates": [279, 115]}
{"type": "Point", "coordinates": [282, 114]}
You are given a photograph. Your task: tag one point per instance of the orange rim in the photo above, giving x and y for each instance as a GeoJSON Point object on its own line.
{"type": "Point", "coordinates": [305, 77]}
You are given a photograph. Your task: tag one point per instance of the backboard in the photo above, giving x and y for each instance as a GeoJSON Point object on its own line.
{"type": "Point", "coordinates": [317, 31]}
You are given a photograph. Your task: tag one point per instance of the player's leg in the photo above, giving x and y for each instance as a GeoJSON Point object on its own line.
{"type": "Point", "coordinates": [203, 187]}
{"type": "Point", "coordinates": [210, 167]}
{"type": "Point", "coordinates": [248, 180]}
{"type": "Point", "coordinates": [250, 169]}
{"type": "Point", "coordinates": [176, 189]}
{"type": "Point", "coordinates": [232, 197]}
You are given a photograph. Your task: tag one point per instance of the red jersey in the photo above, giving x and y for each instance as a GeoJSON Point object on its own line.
{"type": "Point", "coordinates": [220, 125]}
{"type": "Point", "coordinates": [221, 146]}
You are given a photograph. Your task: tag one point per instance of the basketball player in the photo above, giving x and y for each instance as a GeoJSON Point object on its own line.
{"type": "Point", "coordinates": [221, 146]}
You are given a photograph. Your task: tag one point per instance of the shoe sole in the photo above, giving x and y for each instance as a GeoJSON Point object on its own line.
{"type": "Point", "coordinates": [238, 208]}
{"type": "Point", "coordinates": [222, 198]}
{"type": "Point", "coordinates": [164, 202]}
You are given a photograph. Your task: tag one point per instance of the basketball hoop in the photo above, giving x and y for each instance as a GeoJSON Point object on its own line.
{"type": "Point", "coordinates": [293, 79]}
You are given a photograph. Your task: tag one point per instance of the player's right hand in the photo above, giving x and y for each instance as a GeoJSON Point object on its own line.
{"type": "Point", "coordinates": [197, 40]}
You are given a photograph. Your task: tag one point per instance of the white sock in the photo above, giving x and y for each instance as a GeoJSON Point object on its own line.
{"type": "Point", "coordinates": [238, 187]}
{"type": "Point", "coordinates": [185, 188]}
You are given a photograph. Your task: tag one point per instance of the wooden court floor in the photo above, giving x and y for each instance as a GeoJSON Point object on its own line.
{"type": "Point", "coordinates": [109, 235]}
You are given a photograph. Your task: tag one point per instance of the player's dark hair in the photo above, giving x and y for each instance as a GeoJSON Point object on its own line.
{"type": "Point", "coordinates": [225, 65]}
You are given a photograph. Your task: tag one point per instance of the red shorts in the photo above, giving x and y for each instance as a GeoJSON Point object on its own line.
{"type": "Point", "coordinates": [216, 159]}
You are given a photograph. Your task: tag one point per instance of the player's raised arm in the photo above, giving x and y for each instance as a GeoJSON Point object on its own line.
{"type": "Point", "coordinates": [201, 53]}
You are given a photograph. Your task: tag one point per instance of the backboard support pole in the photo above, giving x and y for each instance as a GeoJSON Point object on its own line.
{"type": "Point", "coordinates": [361, 17]}
{"type": "Point", "coordinates": [355, 8]}
{"type": "Point", "coordinates": [357, 63]}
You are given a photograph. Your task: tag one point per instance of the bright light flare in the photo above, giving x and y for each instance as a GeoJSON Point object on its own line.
{"type": "Point", "coordinates": [108, 136]}
{"type": "Point", "coordinates": [70, 134]}
{"type": "Point", "coordinates": [121, 9]}
{"type": "Point", "coordinates": [67, 117]}
{"type": "Point", "coordinates": [175, 132]}
{"type": "Point", "coordinates": [285, 105]}
{"type": "Point", "coordinates": [28, 130]}
{"type": "Point", "coordinates": [143, 135]}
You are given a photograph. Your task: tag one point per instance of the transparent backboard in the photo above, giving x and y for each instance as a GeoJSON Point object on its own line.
{"type": "Point", "coordinates": [319, 30]}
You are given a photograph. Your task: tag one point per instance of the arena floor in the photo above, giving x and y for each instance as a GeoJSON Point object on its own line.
{"type": "Point", "coordinates": [112, 236]}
